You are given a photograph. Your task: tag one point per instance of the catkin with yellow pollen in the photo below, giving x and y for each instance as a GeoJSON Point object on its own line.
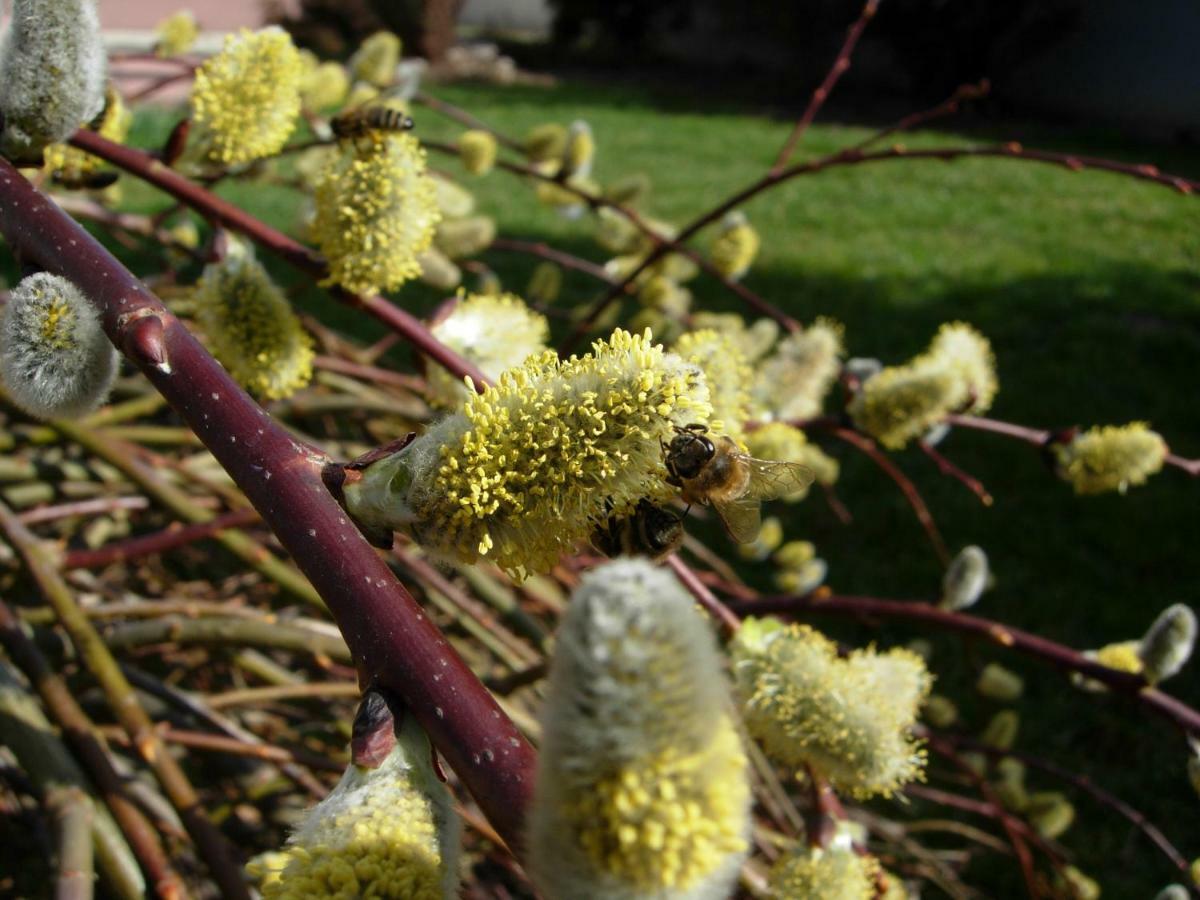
{"type": "Point", "coordinates": [246, 99]}
{"type": "Point", "coordinates": [527, 469]}
{"type": "Point", "coordinates": [727, 373]}
{"type": "Point", "coordinates": [376, 59]}
{"type": "Point", "coordinates": [376, 211]}
{"type": "Point", "coordinates": [833, 873]}
{"type": "Point", "coordinates": [494, 332]}
{"type": "Point", "coordinates": [477, 148]}
{"type": "Point", "coordinates": [735, 246]}
{"type": "Point", "coordinates": [851, 719]}
{"type": "Point", "coordinates": [792, 382]}
{"type": "Point", "coordinates": [72, 165]}
{"type": "Point", "coordinates": [386, 830]}
{"type": "Point", "coordinates": [642, 787]}
{"type": "Point", "coordinates": [176, 34]}
{"type": "Point", "coordinates": [1110, 458]}
{"type": "Point", "coordinates": [251, 328]}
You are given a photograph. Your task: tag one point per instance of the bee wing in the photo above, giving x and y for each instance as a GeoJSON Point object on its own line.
{"type": "Point", "coordinates": [770, 478]}
{"type": "Point", "coordinates": [742, 518]}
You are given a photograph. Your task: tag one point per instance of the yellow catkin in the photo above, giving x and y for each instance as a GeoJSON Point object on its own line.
{"type": "Point", "coordinates": [902, 403]}
{"type": "Point", "coordinates": [834, 873]}
{"type": "Point", "coordinates": [323, 84]}
{"type": "Point", "coordinates": [477, 149]}
{"type": "Point", "coordinates": [793, 381]}
{"type": "Point", "coordinates": [642, 786]}
{"type": "Point", "coordinates": [246, 99]}
{"type": "Point", "coordinates": [969, 354]}
{"type": "Point", "coordinates": [494, 332]}
{"type": "Point", "coordinates": [728, 376]}
{"type": "Point", "coordinates": [545, 143]}
{"type": "Point", "coordinates": [386, 832]}
{"type": "Point", "coordinates": [176, 34]}
{"type": "Point", "coordinates": [1110, 458]}
{"type": "Point", "coordinates": [851, 718]}
{"type": "Point", "coordinates": [735, 246]}
{"type": "Point", "coordinates": [528, 468]}
{"type": "Point", "coordinates": [251, 328]}
{"type": "Point", "coordinates": [71, 165]}
{"type": "Point", "coordinates": [376, 59]}
{"type": "Point", "coordinates": [376, 211]}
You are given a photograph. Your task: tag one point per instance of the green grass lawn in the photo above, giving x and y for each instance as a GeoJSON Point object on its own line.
{"type": "Point", "coordinates": [1088, 286]}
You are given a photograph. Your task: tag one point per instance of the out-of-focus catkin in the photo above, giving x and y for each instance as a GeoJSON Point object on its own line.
{"type": "Point", "coordinates": [642, 786]}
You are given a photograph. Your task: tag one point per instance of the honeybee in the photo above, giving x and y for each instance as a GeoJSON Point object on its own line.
{"type": "Point", "coordinates": [712, 471]}
{"type": "Point", "coordinates": [648, 531]}
{"type": "Point", "coordinates": [362, 120]}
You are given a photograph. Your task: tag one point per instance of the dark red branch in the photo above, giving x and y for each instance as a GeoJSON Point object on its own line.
{"type": "Point", "coordinates": [973, 484]}
{"type": "Point", "coordinates": [392, 639]}
{"type": "Point", "coordinates": [907, 488]}
{"type": "Point", "coordinates": [853, 157]}
{"type": "Point", "coordinates": [159, 542]}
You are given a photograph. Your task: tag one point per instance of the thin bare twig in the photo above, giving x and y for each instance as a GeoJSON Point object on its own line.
{"type": "Point", "coordinates": [840, 64]}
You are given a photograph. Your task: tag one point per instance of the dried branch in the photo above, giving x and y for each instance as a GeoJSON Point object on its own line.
{"type": "Point", "coordinates": [122, 700]}
{"type": "Point", "coordinates": [71, 811]}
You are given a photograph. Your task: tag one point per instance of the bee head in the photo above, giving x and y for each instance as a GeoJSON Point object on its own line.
{"type": "Point", "coordinates": [689, 452]}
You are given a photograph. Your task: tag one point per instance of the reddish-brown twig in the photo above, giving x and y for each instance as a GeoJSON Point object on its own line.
{"type": "Point", "coordinates": [840, 64]}
{"type": "Point", "coordinates": [393, 640]}
{"type": "Point", "coordinates": [546, 252]}
{"type": "Point", "coordinates": [907, 488]}
{"type": "Point", "coordinates": [1062, 657]}
{"type": "Point", "coordinates": [947, 107]}
{"type": "Point", "coordinates": [160, 542]}
{"type": "Point", "coordinates": [462, 117]}
{"type": "Point", "coordinates": [1085, 784]}
{"type": "Point", "coordinates": [1039, 437]}
{"type": "Point", "coordinates": [728, 622]}
{"type": "Point", "coordinates": [853, 157]}
{"type": "Point", "coordinates": [1016, 835]}
{"type": "Point", "coordinates": [974, 485]}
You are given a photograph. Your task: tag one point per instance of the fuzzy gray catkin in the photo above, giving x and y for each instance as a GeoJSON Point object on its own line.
{"type": "Point", "coordinates": [55, 360]}
{"type": "Point", "coordinates": [1169, 642]}
{"type": "Point", "coordinates": [52, 74]}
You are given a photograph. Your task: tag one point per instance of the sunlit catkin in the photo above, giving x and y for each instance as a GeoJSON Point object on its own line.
{"type": "Point", "coordinates": [792, 382]}
{"type": "Point", "coordinates": [545, 142]}
{"type": "Point", "coordinates": [1168, 643]}
{"type": "Point", "coordinates": [1110, 458]}
{"type": "Point", "coordinates": [376, 59]}
{"type": "Point", "coordinates": [579, 150]}
{"type": "Point", "coordinates": [323, 84]}
{"type": "Point", "coordinates": [477, 149]}
{"type": "Point", "coordinates": [52, 66]}
{"type": "Point", "coordinates": [176, 34]}
{"type": "Point", "coordinates": [727, 373]}
{"type": "Point", "coordinates": [832, 873]}
{"type": "Point", "coordinates": [527, 469]}
{"type": "Point", "coordinates": [246, 99]}
{"type": "Point", "coordinates": [72, 166]}
{"type": "Point", "coordinates": [735, 246]}
{"type": "Point", "coordinates": [386, 830]}
{"type": "Point", "coordinates": [902, 403]}
{"type": "Point", "coordinates": [850, 719]}
{"type": "Point", "coordinates": [494, 332]}
{"type": "Point", "coordinates": [251, 328]}
{"type": "Point", "coordinates": [969, 354]}
{"type": "Point", "coordinates": [376, 211]}
{"type": "Point", "coordinates": [458, 238]}
{"type": "Point", "coordinates": [966, 579]}
{"type": "Point", "coordinates": [642, 786]}
{"type": "Point", "coordinates": [55, 359]}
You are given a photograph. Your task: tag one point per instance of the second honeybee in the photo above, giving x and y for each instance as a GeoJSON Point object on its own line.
{"type": "Point", "coordinates": [370, 117]}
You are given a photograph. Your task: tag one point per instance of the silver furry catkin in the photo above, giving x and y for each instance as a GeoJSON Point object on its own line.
{"type": "Point", "coordinates": [55, 360]}
{"type": "Point", "coordinates": [966, 579]}
{"type": "Point", "coordinates": [1168, 644]}
{"type": "Point", "coordinates": [52, 75]}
